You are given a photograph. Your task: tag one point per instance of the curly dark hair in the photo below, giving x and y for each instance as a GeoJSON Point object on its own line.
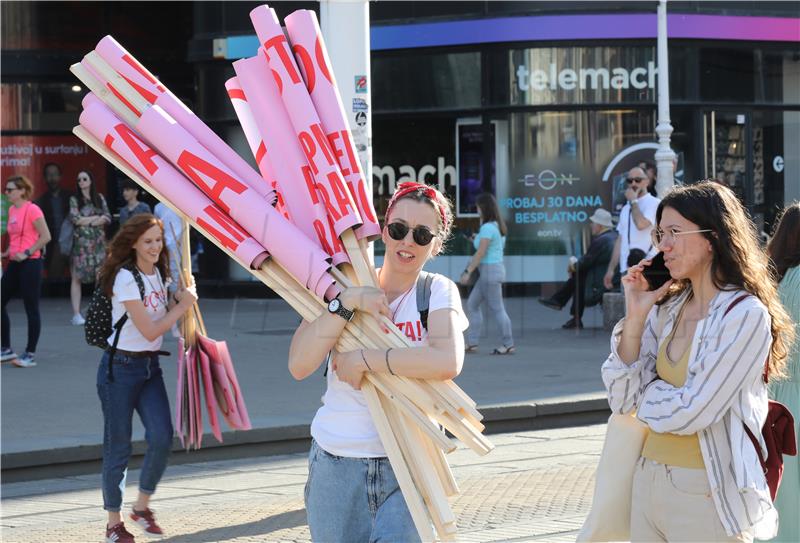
{"type": "Point", "coordinates": [738, 257]}
{"type": "Point", "coordinates": [121, 253]}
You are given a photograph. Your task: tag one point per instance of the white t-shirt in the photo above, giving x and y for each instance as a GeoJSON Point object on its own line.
{"type": "Point", "coordinates": [155, 303]}
{"type": "Point", "coordinates": [343, 426]}
{"type": "Point", "coordinates": [639, 239]}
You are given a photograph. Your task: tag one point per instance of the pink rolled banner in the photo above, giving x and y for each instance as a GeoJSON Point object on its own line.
{"type": "Point", "coordinates": [291, 169]}
{"type": "Point", "coordinates": [330, 183]}
{"type": "Point", "coordinates": [154, 92]}
{"type": "Point", "coordinates": [236, 95]}
{"type": "Point", "coordinates": [312, 57]}
{"type": "Point", "coordinates": [284, 241]}
{"type": "Point", "coordinates": [122, 140]}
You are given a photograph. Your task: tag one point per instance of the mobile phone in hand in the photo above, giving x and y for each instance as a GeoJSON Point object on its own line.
{"type": "Point", "coordinates": [656, 274]}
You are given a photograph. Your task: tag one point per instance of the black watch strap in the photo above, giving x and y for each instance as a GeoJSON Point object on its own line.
{"type": "Point", "coordinates": [340, 310]}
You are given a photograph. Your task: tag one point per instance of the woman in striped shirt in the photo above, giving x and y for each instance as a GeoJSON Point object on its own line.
{"type": "Point", "coordinates": [690, 364]}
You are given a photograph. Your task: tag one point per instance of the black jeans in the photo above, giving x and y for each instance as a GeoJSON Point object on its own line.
{"type": "Point", "coordinates": [574, 288]}
{"type": "Point", "coordinates": [23, 279]}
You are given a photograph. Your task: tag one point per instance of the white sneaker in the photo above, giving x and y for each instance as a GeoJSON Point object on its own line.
{"type": "Point", "coordinates": [24, 361]}
{"type": "Point", "coordinates": [78, 320]}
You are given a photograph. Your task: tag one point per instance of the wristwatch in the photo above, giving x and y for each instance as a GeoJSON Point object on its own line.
{"type": "Point", "coordinates": [27, 252]}
{"type": "Point", "coordinates": [335, 306]}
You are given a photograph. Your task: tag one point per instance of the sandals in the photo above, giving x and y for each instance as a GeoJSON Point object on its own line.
{"type": "Point", "coordinates": [504, 350]}
{"type": "Point", "coordinates": [471, 349]}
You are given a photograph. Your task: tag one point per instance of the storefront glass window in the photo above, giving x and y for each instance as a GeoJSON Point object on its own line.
{"type": "Point", "coordinates": [424, 80]}
{"type": "Point", "coordinates": [41, 106]}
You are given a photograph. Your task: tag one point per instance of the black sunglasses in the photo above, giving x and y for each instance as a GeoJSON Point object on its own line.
{"type": "Point", "coordinates": [634, 179]}
{"type": "Point", "coordinates": [422, 234]}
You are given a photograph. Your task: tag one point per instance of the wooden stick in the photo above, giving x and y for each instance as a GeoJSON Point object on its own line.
{"type": "Point", "coordinates": [357, 260]}
{"type": "Point", "coordinates": [104, 93]}
{"type": "Point", "coordinates": [137, 103]}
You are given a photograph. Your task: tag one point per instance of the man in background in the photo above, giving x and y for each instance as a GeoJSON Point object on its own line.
{"type": "Point", "coordinates": [55, 205]}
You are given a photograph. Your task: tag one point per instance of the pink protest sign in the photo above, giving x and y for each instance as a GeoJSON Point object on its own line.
{"type": "Point", "coordinates": [312, 57]}
{"type": "Point", "coordinates": [154, 92]}
{"type": "Point", "coordinates": [122, 140]}
{"type": "Point", "coordinates": [307, 126]}
{"type": "Point", "coordinates": [240, 105]}
{"type": "Point", "coordinates": [281, 148]}
{"type": "Point", "coordinates": [299, 255]}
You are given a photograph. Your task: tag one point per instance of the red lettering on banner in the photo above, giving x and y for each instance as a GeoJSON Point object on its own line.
{"type": "Point", "coordinates": [323, 66]}
{"type": "Point", "coordinates": [322, 141]}
{"type": "Point", "coordinates": [310, 184]}
{"type": "Point", "coordinates": [139, 68]}
{"type": "Point", "coordinates": [321, 235]}
{"type": "Point", "coordinates": [227, 224]}
{"type": "Point", "coordinates": [351, 154]}
{"type": "Point", "coordinates": [309, 149]}
{"type": "Point", "coordinates": [146, 94]}
{"type": "Point", "coordinates": [306, 65]}
{"type": "Point", "coordinates": [142, 152]}
{"type": "Point", "coordinates": [337, 151]}
{"type": "Point", "coordinates": [365, 206]}
{"type": "Point", "coordinates": [326, 201]}
{"type": "Point", "coordinates": [123, 100]}
{"type": "Point", "coordinates": [191, 164]}
{"type": "Point", "coordinates": [237, 94]}
{"type": "Point", "coordinates": [340, 192]}
{"type": "Point", "coordinates": [281, 47]}
{"type": "Point", "coordinates": [260, 152]}
{"type": "Point", "coordinates": [275, 75]}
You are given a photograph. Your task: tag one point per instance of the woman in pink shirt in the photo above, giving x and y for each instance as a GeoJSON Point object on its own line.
{"type": "Point", "coordinates": [28, 234]}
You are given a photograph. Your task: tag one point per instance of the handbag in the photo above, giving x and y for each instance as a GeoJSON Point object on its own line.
{"type": "Point", "coordinates": [66, 236]}
{"type": "Point", "coordinates": [610, 516]}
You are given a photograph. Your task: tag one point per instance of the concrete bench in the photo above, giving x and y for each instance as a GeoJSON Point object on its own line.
{"type": "Point", "coordinates": [613, 309]}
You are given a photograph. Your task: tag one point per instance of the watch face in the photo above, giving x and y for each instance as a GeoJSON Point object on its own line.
{"type": "Point", "coordinates": [334, 305]}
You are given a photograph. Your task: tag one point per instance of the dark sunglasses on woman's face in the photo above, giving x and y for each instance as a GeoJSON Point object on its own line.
{"type": "Point", "coordinates": [9, 189]}
{"type": "Point", "coordinates": [422, 234]}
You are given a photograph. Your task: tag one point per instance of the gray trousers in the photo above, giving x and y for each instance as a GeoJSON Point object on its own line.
{"type": "Point", "coordinates": [488, 292]}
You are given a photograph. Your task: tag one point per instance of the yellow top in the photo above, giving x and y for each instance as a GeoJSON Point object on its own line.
{"type": "Point", "coordinates": [673, 449]}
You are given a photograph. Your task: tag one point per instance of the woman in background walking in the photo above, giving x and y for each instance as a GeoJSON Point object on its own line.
{"type": "Point", "coordinates": [784, 250]}
{"type": "Point", "coordinates": [89, 214]}
{"type": "Point", "coordinates": [488, 290]}
{"type": "Point", "coordinates": [28, 234]}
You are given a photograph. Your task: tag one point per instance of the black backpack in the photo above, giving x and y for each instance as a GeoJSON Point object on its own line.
{"type": "Point", "coordinates": [424, 281]}
{"type": "Point", "coordinates": [98, 316]}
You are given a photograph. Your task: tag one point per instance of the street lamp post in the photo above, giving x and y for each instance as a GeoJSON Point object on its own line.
{"type": "Point", "coordinates": [664, 155]}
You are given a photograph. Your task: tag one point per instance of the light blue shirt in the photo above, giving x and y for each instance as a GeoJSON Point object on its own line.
{"type": "Point", "coordinates": [494, 254]}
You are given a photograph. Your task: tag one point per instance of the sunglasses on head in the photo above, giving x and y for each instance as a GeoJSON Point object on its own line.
{"type": "Point", "coordinates": [634, 179]}
{"type": "Point", "coordinates": [422, 234]}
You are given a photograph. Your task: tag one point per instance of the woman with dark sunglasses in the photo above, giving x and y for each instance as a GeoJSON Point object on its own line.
{"type": "Point", "coordinates": [28, 234]}
{"type": "Point", "coordinates": [488, 290]}
{"type": "Point", "coordinates": [352, 494]}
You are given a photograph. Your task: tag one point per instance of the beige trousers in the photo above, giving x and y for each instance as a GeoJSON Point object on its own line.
{"type": "Point", "coordinates": [675, 504]}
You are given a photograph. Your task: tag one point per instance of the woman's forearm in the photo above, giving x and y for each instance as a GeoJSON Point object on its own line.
{"type": "Point", "coordinates": [312, 342]}
{"type": "Point", "coordinates": [417, 362]}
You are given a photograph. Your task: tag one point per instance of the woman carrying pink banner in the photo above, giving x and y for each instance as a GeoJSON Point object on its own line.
{"type": "Point", "coordinates": [346, 451]}
{"type": "Point", "coordinates": [312, 57]}
{"type": "Point", "coordinates": [292, 172]}
{"type": "Point", "coordinates": [132, 277]}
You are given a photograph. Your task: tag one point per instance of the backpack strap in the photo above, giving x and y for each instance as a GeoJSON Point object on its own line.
{"type": "Point", "coordinates": [121, 322]}
{"type": "Point", "coordinates": [424, 281]}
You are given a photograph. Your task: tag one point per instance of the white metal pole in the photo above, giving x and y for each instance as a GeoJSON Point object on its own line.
{"type": "Point", "coordinates": [345, 28]}
{"type": "Point", "coordinates": [664, 156]}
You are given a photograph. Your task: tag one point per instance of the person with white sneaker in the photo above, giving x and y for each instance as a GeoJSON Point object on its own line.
{"type": "Point", "coordinates": [133, 277]}
{"type": "Point", "coordinates": [28, 234]}
{"type": "Point", "coordinates": [89, 214]}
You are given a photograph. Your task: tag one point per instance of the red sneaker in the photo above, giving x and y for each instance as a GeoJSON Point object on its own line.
{"type": "Point", "coordinates": [118, 534]}
{"type": "Point", "coordinates": [147, 521]}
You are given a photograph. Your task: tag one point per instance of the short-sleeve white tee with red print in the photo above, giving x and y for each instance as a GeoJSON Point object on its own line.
{"type": "Point", "coordinates": [155, 303]}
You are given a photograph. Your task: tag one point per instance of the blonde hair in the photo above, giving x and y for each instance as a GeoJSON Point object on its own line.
{"type": "Point", "coordinates": [23, 183]}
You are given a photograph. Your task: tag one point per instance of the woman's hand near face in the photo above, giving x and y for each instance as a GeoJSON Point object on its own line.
{"type": "Point", "coordinates": [638, 299]}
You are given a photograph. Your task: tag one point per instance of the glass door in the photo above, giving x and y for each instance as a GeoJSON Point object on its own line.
{"type": "Point", "coordinates": [727, 159]}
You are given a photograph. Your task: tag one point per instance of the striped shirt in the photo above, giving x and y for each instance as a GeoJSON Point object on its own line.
{"type": "Point", "coordinates": [723, 389]}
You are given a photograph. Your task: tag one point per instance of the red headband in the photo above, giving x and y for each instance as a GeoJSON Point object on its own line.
{"type": "Point", "coordinates": [429, 192]}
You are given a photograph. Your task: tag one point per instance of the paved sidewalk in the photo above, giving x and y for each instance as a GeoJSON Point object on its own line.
{"type": "Point", "coordinates": [51, 413]}
{"type": "Point", "coordinates": [535, 486]}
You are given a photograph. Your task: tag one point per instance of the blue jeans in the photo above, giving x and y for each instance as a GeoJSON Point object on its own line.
{"type": "Point", "coordinates": [354, 500]}
{"type": "Point", "coordinates": [138, 385]}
